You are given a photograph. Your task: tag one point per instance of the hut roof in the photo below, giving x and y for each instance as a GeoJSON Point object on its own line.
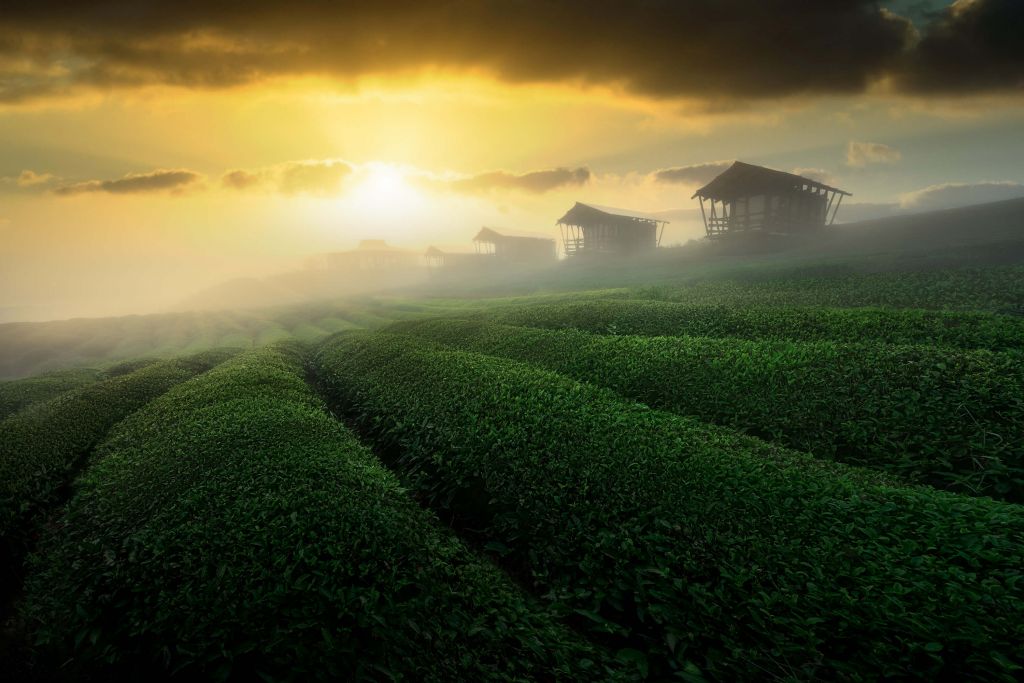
{"type": "Point", "coordinates": [489, 235]}
{"type": "Point", "coordinates": [744, 180]}
{"type": "Point", "coordinates": [587, 214]}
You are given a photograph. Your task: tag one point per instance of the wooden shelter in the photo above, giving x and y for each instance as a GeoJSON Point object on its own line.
{"type": "Point", "coordinates": [593, 229]}
{"type": "Point", "coordinates": [746, 198]}
{"type": "Point", "coordinates": [372, 255]}
{"type": "Point", "coordinates": [454, 260]}
{"type": "Point", "coordinates": [515, 248]}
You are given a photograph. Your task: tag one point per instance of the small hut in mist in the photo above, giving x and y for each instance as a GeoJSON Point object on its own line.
{"type": "Point", "coordinates": [454, 260]}
{"type": "Point", "coordinates": [372, 255]}
{"type": "Point", "coordinates": [592, 229]}
{"type": "Point", "coordinates": [746, 198]}
{"type": "Point", "coordinates": [515, 248]}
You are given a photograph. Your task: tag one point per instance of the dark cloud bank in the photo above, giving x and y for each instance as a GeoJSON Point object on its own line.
{"type": "Point", "coordinates": [720, 49]}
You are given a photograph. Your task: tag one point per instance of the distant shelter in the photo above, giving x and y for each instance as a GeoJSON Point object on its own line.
{"type": "Point", "coordinates": [372, 255]}
{"type": "Point", "coordinates": [454, 260]}
{"type": "Point", "coordinates": [593, 229]}
{"type": "Point", "coordinates": [515, 248]}
{"type": "Point", "coordinates": [746, 198]}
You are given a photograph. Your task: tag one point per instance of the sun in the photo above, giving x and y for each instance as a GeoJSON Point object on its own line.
{"type": "Point", "coordinates": [384, 189]}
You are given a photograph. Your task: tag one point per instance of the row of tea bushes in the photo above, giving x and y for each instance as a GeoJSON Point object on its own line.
{"type": "Point", "coordinates": [685, 543]}
{"type": "Point", "coordinates": [18, 393]}
{"type": "Point", "coordinates": [42, 445]}
{"type": "Point", "coordinates": [994, 289]}
{"type": "Point", "coordinates": [234, 530]}
{"type": "Point", "coordinates": [664, 318]}
{"type": "Point", "coordinates": [945, 417]}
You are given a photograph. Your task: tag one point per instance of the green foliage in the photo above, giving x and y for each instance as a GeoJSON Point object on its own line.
{"type": "Point", "coordinates": [683, 544]}
{"type": "Point", "coordinates": [995, 289]}
{"type": "Point", "coordinates": [127, 366]}
{"type": "Point", "coordinates": [945, 417]}
{"type": "Point", "coordinates": [16, 394]}
{"type": "Point", "coordinates": [42, 445]}
{"type": "Point", "coordinates": [232, 529]}
{"type": "Point", "coordinates": [657, 318]}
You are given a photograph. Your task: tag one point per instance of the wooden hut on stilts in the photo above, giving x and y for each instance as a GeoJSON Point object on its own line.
{"type": "Point", "coordinates": [746, 198]}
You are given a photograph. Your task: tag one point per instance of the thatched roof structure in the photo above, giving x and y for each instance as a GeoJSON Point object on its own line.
{"type": "Point", "coordinates": [489, 235]}
{"type": "Point", "coordinates": [594, 229]}
{"type": "Point", "coordinates": [747, 198]}
{"type": "Point", "coordinates": [745, 180]}
{"type": "Point", "coordinates": [595, 214]}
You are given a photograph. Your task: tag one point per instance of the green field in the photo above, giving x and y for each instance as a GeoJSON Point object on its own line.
{"type": "Point", "coordinates": [767, 470]}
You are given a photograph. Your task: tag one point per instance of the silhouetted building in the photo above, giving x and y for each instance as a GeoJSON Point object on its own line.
{"type": "Point", "coordinates": [372, 255]}
{"type": "Point", "coordinates": [515, 248]}
{"type": "Point", "coordinates": [455, 260]}
{"type": "Point", "coordinates": [746, 198]}
{"type": "Point", "coordinates": [593, 229]}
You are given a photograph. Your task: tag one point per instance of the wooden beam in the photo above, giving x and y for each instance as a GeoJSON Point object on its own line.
{"type": "Point", "coordinates": [704, 216]}
{"type": "Point", "coordinates": [834, 212]}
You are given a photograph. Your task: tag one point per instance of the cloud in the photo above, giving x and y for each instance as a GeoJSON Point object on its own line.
{"type": "Point", "coordinates": [242, 180]}
{"type": "Point", "coordinates": [694, 174]}
{"type": "Point", "coordinates": [819, 174]}
{"type": "Point", "coordinates": [974, 45]}
{"type": "Point", "coordinates": [535, 182]}
{"type": "Point", "coordinates": [714, 49]}
{"type": "Point", "coordinates": [860, 154]}
{"type": "Point", "coordinates": [135, 183]}
{"type": "Point", "coordinates": [29, 178]}
{"type": "Point", "coordinates": [314, 176]}
{"type": "Point", "coordinates": [949, 195]}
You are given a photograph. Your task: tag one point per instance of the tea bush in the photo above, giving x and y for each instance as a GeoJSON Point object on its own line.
{"type": "Point", "coordinates": [233, 530]}
{"type": "Point", "coordinates": [949, 418]}
{"type": "Point", "coordinates": [43, 446]}
{"type": "Point", "coordinates": [684, 543]}
{"type": "Point", "coordinates": [663, 318]}
{"type": "Point", "coordinates": [998, 289]}
{"type": "Point", "coordinates": [18, 393]}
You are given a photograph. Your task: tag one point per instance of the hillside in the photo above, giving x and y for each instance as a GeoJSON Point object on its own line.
{"type": "Point", "coordinates": [771, 471]}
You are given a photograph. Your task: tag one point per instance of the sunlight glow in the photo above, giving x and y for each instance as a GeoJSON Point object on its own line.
{"type": "Point", "coordinates": [384, 189]}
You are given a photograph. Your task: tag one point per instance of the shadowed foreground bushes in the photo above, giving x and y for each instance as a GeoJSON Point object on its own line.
{"type": "Point", "coordinates": [42, 446]}
{"type": "Point", "coordinates": [685, 543]}
{"type": "Point", "coordinates": [232, 529]}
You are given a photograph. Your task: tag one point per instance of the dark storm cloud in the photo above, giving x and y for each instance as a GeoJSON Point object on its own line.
{"type": "Point", "coordinates": [720, 49]}
{"type": "Point", "coordinates": [975, 45]}
{"type": "Point", "coordinates": [134, 183]}
{"type": "Point", "coordinates": [536, 182]}
{"type": "Point", "coordinates": [695, 174]}
{"type": "Point", "coordinates": [733, 48]}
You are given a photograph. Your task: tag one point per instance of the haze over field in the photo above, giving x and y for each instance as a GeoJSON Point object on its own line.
{"type": "Point", "coordinates": [624, 341]}
{"type": "Point", "coordinates": [149, 151]}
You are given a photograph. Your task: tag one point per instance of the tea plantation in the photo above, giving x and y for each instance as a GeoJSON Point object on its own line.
{"type": "Point", "coordinates": [783, 475]}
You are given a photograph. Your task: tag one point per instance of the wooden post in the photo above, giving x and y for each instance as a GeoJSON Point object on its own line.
{"type": "Point", "coordinates": [703, 215]}
{"type": "Point", "coordinates": [834, 212]}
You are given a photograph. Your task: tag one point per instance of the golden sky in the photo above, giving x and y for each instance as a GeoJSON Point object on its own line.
{"type": "Point", "coordinates": [151, 149]}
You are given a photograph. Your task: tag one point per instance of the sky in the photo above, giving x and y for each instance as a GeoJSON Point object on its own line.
{"type": "Point", "coordinates": [149, 150]}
